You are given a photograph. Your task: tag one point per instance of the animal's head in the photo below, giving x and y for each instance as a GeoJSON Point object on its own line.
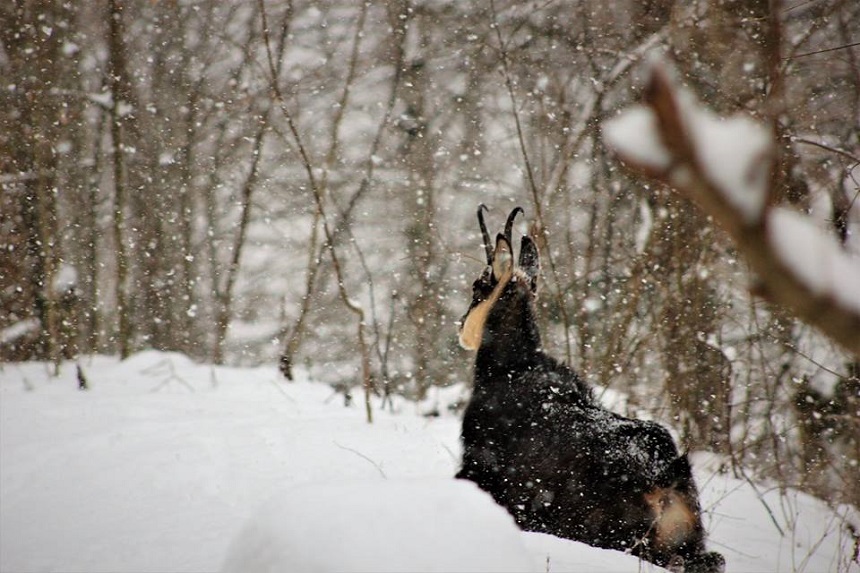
{"type": "Point", "coordinates": [500, 279]}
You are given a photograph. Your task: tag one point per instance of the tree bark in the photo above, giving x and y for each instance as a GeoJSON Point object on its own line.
{"type": "Point", "coordinates": [119, 89]}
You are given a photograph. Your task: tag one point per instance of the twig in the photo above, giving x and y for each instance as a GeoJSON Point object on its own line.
{"type": "Point", "coordinates": [171, 375]}
{"type": "Point", "coordinates": [763, 502]}
{"type": "Point", "coordinates": [283, 392]}
{"type": "Point", "coordinates": [454, 458]}
{"type": "Point", "coordinates": [794, 57]}
{"type": "Point", "coordinates": [362, 456]}
{"type": "Point", "coordinates": [826, 147]}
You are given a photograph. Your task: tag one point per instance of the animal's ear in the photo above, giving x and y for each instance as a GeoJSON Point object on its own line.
{"type": "Point", "coordinates": [502, 257]}
{"type": "Point", "coordinates": [529, 261]}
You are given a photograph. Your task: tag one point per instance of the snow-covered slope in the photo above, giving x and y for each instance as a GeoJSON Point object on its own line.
{"type": "Point", "coordinates": [165, 465]}
{"type": "Point", "coordinates": [393, 526]}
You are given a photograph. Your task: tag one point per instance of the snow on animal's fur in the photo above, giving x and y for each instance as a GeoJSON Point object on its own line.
{"type": "Point", "coordinates": [535, 438]}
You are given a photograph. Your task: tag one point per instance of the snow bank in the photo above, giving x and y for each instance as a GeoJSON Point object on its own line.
{"type": "Point", "coordinates": [557, 554]}
{"type": "Point", "coordinates": [381, 526]}
{"type": "Point", "coordinates": [161, 465]}
{"type": "Point", "coordinates": [760, 528]}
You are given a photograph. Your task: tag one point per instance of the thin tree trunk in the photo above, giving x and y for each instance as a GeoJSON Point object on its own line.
{"type": "Point", "coordinates": [117, 83]}
{"type": "Point", "coordinates": [33, 62]}
{"type": "Point", "coordinates": [224, 295]}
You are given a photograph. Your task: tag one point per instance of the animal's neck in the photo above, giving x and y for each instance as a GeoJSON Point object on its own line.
{"type": "Point", "coordinates": [511, 339]}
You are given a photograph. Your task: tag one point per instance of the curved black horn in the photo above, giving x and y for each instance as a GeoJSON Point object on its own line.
{"type": "Point", "coordinates": [509, 225]}
{"type": "Point", "coordinates": [485, 236]}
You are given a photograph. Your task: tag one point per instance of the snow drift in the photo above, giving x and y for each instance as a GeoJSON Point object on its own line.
{"type": "Point", "coordinates": [163, 465]}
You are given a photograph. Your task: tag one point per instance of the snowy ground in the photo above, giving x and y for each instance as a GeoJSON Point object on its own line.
{"type": "Point", "coordinates": [164, 465]}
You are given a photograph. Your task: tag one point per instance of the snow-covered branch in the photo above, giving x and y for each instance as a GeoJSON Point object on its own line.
{"type": "Point", "coordinates": [725, 166]}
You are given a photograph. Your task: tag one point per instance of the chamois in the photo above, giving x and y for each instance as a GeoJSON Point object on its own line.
{"type": "Point", "coordinates": [537, 440]}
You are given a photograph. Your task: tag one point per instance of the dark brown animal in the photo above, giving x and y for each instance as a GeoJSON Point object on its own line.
{"type": "Point", "coordinates": [535, 438]}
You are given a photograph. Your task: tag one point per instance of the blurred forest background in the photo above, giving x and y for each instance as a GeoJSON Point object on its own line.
{"type": "Point", "coordinates": [246, 181]}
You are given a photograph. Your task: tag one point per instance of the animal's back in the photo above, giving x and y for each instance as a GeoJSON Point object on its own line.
{"type": "Point", "coordinates": [548, 452]}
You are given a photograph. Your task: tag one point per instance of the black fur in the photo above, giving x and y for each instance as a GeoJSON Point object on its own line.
{"type": "Point", "coordinates": [535, 438]}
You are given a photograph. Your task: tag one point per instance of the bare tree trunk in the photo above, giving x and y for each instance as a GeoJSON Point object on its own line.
{"type": "Point", "coordinates": [119, 88]}
{"type": "Point", "coordinates": [90, 239]}
{"type": "Point", "coordinates": [697, 378]}
{"type": "Point", "coordinates": [420, 212]}
{"type": "Point", "coordinates": [423, 306]}
{"type": "Point", "coordinates": [187, 309]}
{"type": "Point", "coordinates": [35, 64]}
{"type": "Point", "coordinates": [224, 294]}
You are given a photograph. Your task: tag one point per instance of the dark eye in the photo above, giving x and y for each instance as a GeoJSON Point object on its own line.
{"type": "Point", "coordinates": [483, 286]}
